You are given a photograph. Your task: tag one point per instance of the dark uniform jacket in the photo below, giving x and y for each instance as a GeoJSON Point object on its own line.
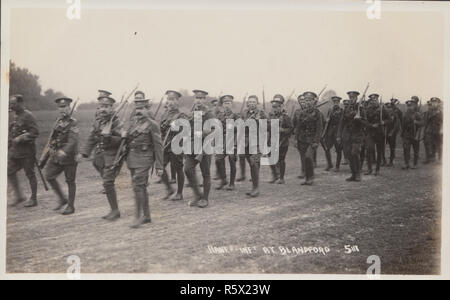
{"type": "Point", "coordinates": [207, 114]}
{"type": "Point", "coordinates": [25, 128]}
{"type": "Point", "coordinates": [106, 146]}
{"type": "Point", "coordinates": [255, 114]}
{"type": "Point", "coordinates": [65, 138]}
{"type": "Point", "coordinates": [373, 117]}
{"type": "Point", "coordinates": [334, 116]}
{"type": "Point", "coordinates": [433, 122]}
{"type": "Point", "coordinates": [144, 144]}
{"type": "Point", "coordinates": [166, 120]}
{"type": "Point", "coordinates": [409, 130]}
{"type": "Point", "coordinates": [351, 129]}
{"type": "Point", "coordinates": [308, 125]}
{"type": "Point", "coordinates": [285, 127]}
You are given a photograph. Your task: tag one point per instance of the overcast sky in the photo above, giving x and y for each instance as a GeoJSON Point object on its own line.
{"type": "Point", "coordinates": [230, 51]}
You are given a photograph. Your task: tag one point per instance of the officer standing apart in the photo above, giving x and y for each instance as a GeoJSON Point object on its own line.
{"type": "Point", "coordinates": [308, 130]}
{"type": "Point", "coordinates": [63, 155]}
{"type": "Point", "coordinates": [23, 132]}
{"type": "Point", "coordinates": [204, 160]}
{"type": "Point", "coordinates": [145, 151]}
{"type": "Point", "coordinates": [176, 160]}
{"type": "Point", "coordinates": [285, 131]}
{"type": "Point", "coordinates": [329, 136]}
{"type": "Point", "coordinates": [105, 140]}
{"type": "Point", "coordinates": [411, 123]}
{"type": "Point", "coordinates": [432, 138]}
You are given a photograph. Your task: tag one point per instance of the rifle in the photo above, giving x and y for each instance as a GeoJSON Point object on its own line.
{"type": "Point", "coordinates": [159, 106]}
{"type": "Point", "coordinates": [361, 100]}
{"type": "Point", "coordinates": [264, 99]}
{"type": "Point", "coordinates": [107, 129]}
{"type": "Point", "coordinates": [40, 175]}
{"type": "Point", "coordinates": [243, 103]}
{"type": "Point", "coordinates": [46, 152]}
{"type": "Point", "coordinates": [318, 96]}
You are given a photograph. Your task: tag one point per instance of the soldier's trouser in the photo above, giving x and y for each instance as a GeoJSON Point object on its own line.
{"type": "Point", "coordinates": [99, 164]}
{"type": "Point", "coordinates": [205, 168]}
{"type": "Point", "coordinates": [392, 142]}
{"type": "Point", "coordinates": [374, 143]}
{"type": "Point", "coordinates": [363, 154]}
{"type": "Point", "coordinates": [307, 157]}
{"type": "Point", "coordinates": [139, 180]}
{"type": "Point", "coordinates": [177, 162]}
{"type": "Point", "coordinates": [53, 170]}
{"type": "Point", "coordinates": [327, 146]}
{"type": "Point", "coordinates": [109, 178]}
{"type": "Point", "coordinates": [353, 153]}
{"type": "Point", "coordinates": [173, 172]}
{"type": "Point", "coordinates": [14, 166]}
{"type": "Point", "coordinates": [407, 143]}
{"type": "Point", "coordinates": [242, 164]}
{"type": "Point", "coordinates": [254, 160]}
{"type": "Point", "coordinates": [221, 169]}
{"type": "Point", "coordinates": [302, 160]}
{"type": "Point", "coordinates": [433, 145]}
{"type": "Point", "coordinates": [279, 169]}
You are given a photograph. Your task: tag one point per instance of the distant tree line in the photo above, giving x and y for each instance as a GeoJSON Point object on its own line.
{"type": "Point", "coordinates": [22, 81]}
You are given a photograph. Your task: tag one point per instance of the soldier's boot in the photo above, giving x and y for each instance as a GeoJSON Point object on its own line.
{"type": "Point", "coordinates": [345, 162]}
{"type": "Point", "coordinates": [204, 201]}
{"type": "Point", "coordinates": [169, 189]}
{"type": "Point", "coordinates": [14, 182]}
{"type": "Point", "coordinates": [351, 178]}
{"type": "Point", "coordinates": [32, 202]}
{"type": "Point", "coordinates": [369, 167]}
{"type": "Point", "coordinates": [232, 187]}
{"type": "Point", "coordinates": [146, 208]}
{"type": "Point", "coordinates": [139, 198]}
{"type": "Point", "coordinates": [254, 171]}
{"type": "Point", "coordinates": [275, 175]}
{"type": "Point", "coordinates": [415, 161]}
{"type": "Point", "coordinates": [220, 167]}
{"type": "Point", "coordinates": [62, 201]}
{"type": "Point", "coordinates": [391, 162]}
{"type": "Point", "coordinates": [358, 176]}
{"type": "Point", "coordinates": [112, 200]}
{"type": "Point", "coordinates": [180, 185]}
{"type": "Point", "coordinates": [70, 209]}
{"type": "Point", "coordinates": [338, 161]}
{"type": "Point", "coordinates": [242, 168]}
{"type": "Point", "coordinates": [309, 170]}
{"type": "Point", "coordinates": [329, 161]}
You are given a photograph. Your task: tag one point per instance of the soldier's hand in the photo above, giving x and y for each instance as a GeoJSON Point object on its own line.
{"type": "Point", "coordinates": [375, 125]}
{"type": "Point", "coordinates": [338, 140]}
{"type": "Point", "coordinates": [159, 172]}
{"type": "Point", "coordinates": [61, 154]}
{"type": "Point", "coordinates": [123, 134]}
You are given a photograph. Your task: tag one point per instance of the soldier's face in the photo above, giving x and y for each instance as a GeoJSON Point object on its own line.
{"type": "Point", "coordinates": [336, 103]}
{"type": "Point", "coordinates": [199, 98]}
{"type": "Point", "coordinates": [64, 110]}
{"type": "Point", "coordinates": [252, 103]}
{"type": "Point", "coordinates": [172, 103]}
{"type": "Point", "coordinates": [276, 107]}
{"type": "Point", "coordinates": [227, 105]}
{"type": "Point", "coordinates": [13, 104]}
{"type": "Point", "coordinates": [141, 112]}
{"type": "Point", "coordinates": [105, 109]}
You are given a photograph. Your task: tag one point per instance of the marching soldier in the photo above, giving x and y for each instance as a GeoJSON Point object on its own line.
{"type": "Point", "coordinates": [308, 130]}
{"type": "Point", "coordinates": [285, 131]}
{"type": "Point", "coordinates": [393, 128]}
{"type": "Point", "coordinates": [176, 160]}
{"type": "Point", "coordinates": [376, 118]}
{"type": "Point", "coordinates": [329, 136]}
{"type": "Point", "coordinates": [253, 159]}
{"type": "Point", "coordinates": [105, 140]}
{"type": "Point", "coordinates": [63, 156]}
{"type": "Point", "coordinates": [101, 93]}
{"type": "Point", "coordinates": [223, 115]}
{"type": "Point", "coordinates": [23, 132]}
{"type": "Point", "coordinates": [411, 123]}
{"type": "Point", "coordinates": [145, 151]}
{"type": "Point", "coordinates": [350, 134]}
{"type": "Point", "coordinates": [204, 160]}
{"type": "Point", "coordinates": [432, 138]}
{"type": "Point", "coordinates": [301, 103]}
{"type": "Point", "coordinates": [242, 168]}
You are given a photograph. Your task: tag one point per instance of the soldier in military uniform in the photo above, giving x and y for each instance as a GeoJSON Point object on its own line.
{"type": "Point", "coordinates": [224, 114]}
{"type": "Point", "coordinates": [285, 131]}
{"type": "Point", "coordinates": [308, 128]}
{"type": "Point", "coordinates": [432, 135]}
{"type": "Point", "coordinates": [145, 151]}
{"type": "Point", "coordinates": [204, 160]}
{"type": "Point", "coordinates": [376, 118]}
{"type": "Point", "coordinates": [105, 140]}
{"type": "Point", "coordinates": [23, 132]}
{"type": "Point", "coordinates": [393, 128]}
{"type": "Point", "coordinates": [329, 136]}
{"type": "Point", "coordinates": [176, 160]}
{"type": "Point", "coordinates": [411, 123]}
{"type": "Point", "coordinates": [63, 156]}
{"type": "Point", "coordinates": [350, 134]}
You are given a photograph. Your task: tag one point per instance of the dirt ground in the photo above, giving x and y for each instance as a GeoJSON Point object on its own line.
{"type": "Point", "coordinates": [395, 216]}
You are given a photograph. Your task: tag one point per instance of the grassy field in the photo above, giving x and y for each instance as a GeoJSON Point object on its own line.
{"type": "Point", "coordinates": [396, 216]}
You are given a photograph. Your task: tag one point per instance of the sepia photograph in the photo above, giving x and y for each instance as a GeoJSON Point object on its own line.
{"type": "Point", "coordinates": [181, 140]}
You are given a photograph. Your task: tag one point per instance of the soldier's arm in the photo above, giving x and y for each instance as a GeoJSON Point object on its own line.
{"type": "Point", "coordinates": [116, 133]}
{"type": "Point", "coordinates": [32, 130]}
{"type": "Point", "coordinates": [286, 124]}
{"type": "Point", "coordinates": [89, 144]}
{"type": "Point", "coordinates": [157, 144]}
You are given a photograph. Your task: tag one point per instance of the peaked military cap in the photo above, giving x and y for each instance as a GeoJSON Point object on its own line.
{"type": "Point", "coordinates": [63, 101]}
{"type": "Point", "coordinates": [103, 93]}
{"type": "Point", "coordinates": [374, 96]}
{"type": "Point", "coordinates": [226, 98]}
{"type": "Point", "coordinates": [353, 93]}
{"type": "Point", "coordinates": [394, 101]}
{"type": "Point", "coordinates": [106, 100]}
{"type": "Point", "coordinates": [254, 97]}
{"type": "Point", "coordinates": [301, 97]}
{"type": "Point", "coordinates": [173, 93]}
{"type": "Point", "coordinates": [415, 99]}
{"type": "Point", "coordinates": [310, 94]}
{"type": "Point", "coordinates": [336, 98]}
{"type": "Point", "coordinates": [346, 102]}
{"type": "Point", "coordinates": [18, 97]}
{"type": "Point", "coordinates": [435, 99]}
{"type": "Point", "coordinates": [200, 92]}
{"type": "Point", "coordinates": [278, 98]}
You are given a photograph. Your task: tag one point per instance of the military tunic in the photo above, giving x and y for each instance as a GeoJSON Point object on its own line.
{"type": "Point", "coordinates": [432, 133]}
{"type": "Point", "coordinates": [285, 132]}
{"type": "Point", "coordinates": [392, 130]}
{"type": "Point", "coordinates": [409, 135]}
{"type": "Point", "coordinates": [23, 132]}
{"type": "Point", "coordinates": [329, 139]}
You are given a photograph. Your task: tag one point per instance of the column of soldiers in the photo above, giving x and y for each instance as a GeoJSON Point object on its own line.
{"type": "Point", "coordinates": [358, 131]}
